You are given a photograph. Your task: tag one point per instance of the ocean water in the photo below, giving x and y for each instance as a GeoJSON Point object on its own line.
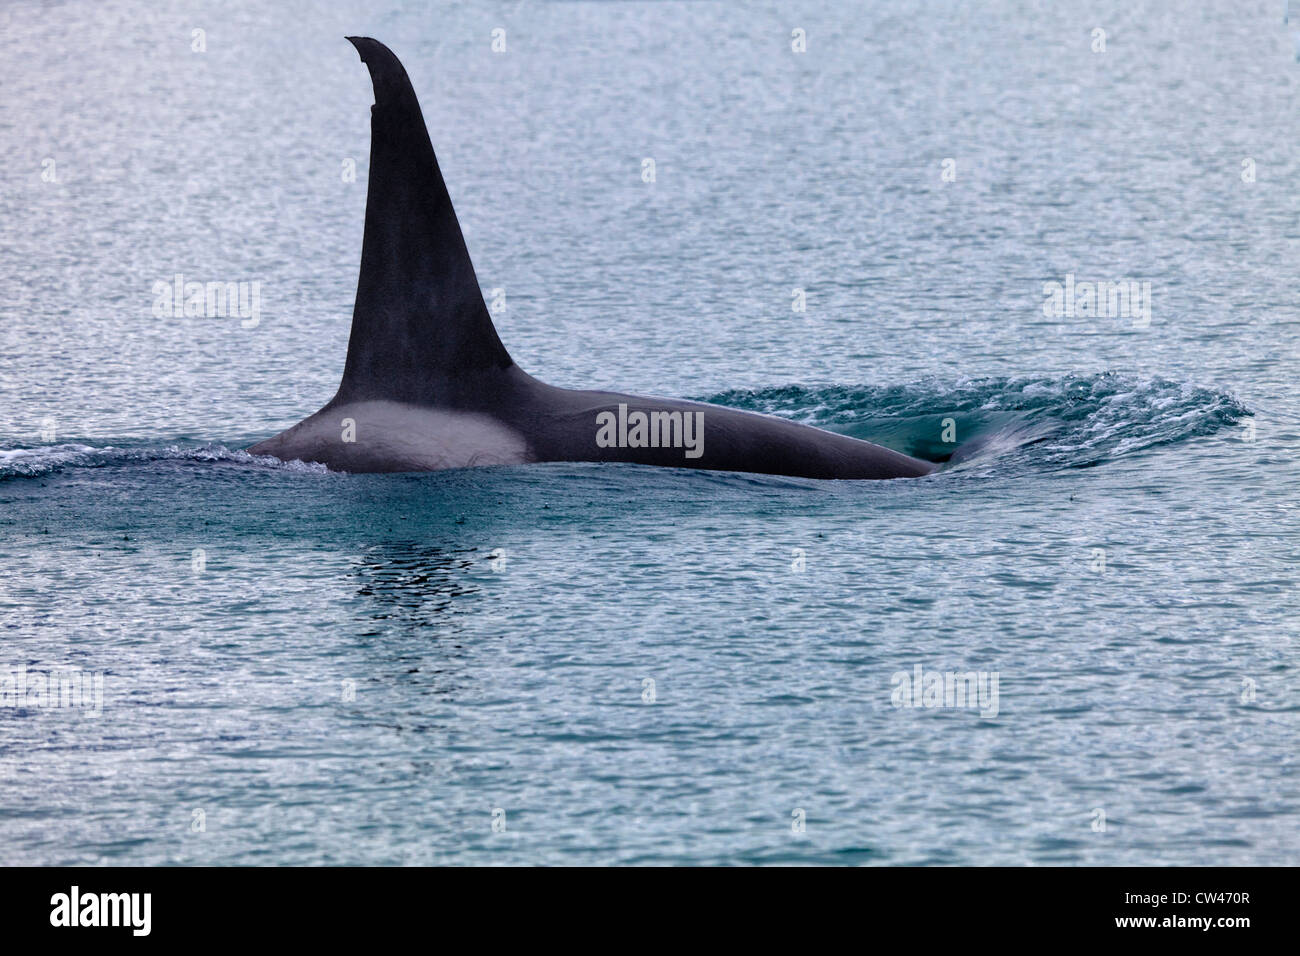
{"type": "Point", "coordinates": [583, 664]}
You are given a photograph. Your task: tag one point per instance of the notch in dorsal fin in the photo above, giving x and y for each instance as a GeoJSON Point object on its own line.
{"type": "Point", "coordinates": [420, 330]}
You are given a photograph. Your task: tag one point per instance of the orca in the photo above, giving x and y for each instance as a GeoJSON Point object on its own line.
{"type": "Point", "coordinates": [428, 385]}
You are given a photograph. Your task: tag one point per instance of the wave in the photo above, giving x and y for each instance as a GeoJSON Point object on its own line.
{"type": "Point", "coordinates": [1075, 421]}
{"type": "Point", "coordinates": [45, 459]}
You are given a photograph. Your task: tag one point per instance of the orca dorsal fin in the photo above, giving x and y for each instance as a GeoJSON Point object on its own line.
{"type": "Point", "coordinates": [421, 332]}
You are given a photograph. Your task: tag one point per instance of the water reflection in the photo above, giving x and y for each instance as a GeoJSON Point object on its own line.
{"type": "Point", "coordinates": [420, 584]}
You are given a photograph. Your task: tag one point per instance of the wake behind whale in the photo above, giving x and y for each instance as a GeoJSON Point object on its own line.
{"type": "Point", "coordinates": [1015, 426]}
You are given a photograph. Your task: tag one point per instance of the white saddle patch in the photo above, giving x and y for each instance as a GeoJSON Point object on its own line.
{"type": "Point", "coordinates": [391, 436]}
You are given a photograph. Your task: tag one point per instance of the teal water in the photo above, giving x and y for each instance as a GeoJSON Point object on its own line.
{"type": "Point", "coordinates": [376, 669]}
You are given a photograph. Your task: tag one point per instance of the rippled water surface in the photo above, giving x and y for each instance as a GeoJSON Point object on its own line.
{"type": "Point", "coordinates": [614, 664]}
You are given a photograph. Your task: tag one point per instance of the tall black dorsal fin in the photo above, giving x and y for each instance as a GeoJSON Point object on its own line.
{"type": "Point", "coordinates": [420, 330]}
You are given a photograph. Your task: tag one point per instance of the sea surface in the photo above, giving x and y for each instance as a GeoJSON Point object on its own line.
{"type": "Point", "coordinates": [610, 664]}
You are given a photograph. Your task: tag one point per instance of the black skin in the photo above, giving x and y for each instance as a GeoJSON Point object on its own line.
{"type": "Point", "coordinates": [560, 425]}
{"type": "Point", "coordinates": [422, 337]}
